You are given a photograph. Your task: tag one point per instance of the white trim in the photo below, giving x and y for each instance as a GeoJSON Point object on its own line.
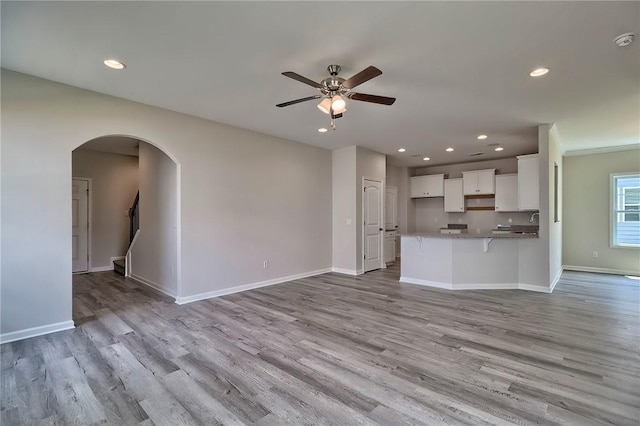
{"type": "Point", "coordinates": [102, 268]}
{"type": "Point", "coordinates": [602, 150]}
{"type": "Point", "coordinates": [250, 286]}
{"type": "Point", "coordinates": [382, 220]}
{"type": "Point", "coordinates": [178, 276]}
{"type": "Point", "coordinates": [613, 211]}
{"type": "Point", "coordinates": [153, 285]}
{"type": "Point", "coordinates": [346, 271]}
{"type": "Point", "coordinates": [89, 222]}
{"type": "Point", "coordinates": [556, 279]}
{"type": "Point", "coordinates": [36, 331]}
{"type": "Point", "coordinates": [535, 288]}
{"type": "Point", "coordinates": [600, 270]}
{"type": "Point", "coordinates": [128, 257]}
{"type": "Point", "coordinates": [483, 286]}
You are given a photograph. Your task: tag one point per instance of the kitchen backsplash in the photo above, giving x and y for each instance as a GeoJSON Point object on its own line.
{"type": "Point", "coordinates": [430, 217]}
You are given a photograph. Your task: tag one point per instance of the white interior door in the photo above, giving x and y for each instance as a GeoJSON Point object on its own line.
{"type": "Point", "coordinates": [373, 225]}
{"type": "Point", "coordinates": [80, 225]}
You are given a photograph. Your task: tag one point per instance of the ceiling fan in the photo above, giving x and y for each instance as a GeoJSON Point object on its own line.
{"type": "Point", "coordinates": [335, 89]}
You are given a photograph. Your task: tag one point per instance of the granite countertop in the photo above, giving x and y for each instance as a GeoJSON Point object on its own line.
{"type": "Point", "coordinates": [470, 235]}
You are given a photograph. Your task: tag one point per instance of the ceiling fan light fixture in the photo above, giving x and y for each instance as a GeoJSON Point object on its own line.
{"type": "Point", "coordinates": [337, 104]}
{"type": "Point", "coordinates": [325, 105]}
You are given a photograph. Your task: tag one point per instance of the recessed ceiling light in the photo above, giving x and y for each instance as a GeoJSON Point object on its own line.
{"type": "Point", "coordinates": [481, 137]}
{"type": "Point", "coordinates": [499, 148]}
{"type": "Point", "coordinates": [539, 72]}
{"type": "Point", "coordinates": [401, 150]}
{"type": "Point", "coordinates": [449, 149]}
{"type": "Point", "coordinates": [426, 158]}
{"type": "Point", "coordinates": [116, 65]}
{"type": "Point", "coordinates": [322, 130]}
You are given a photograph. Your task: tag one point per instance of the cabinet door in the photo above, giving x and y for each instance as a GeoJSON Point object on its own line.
{"type": "Point", "coordinates": [507, 193]}
{"type": "Point", "coordinates": [470, 183]}
{"type": "Point", "coordinates": [453, 196]}
{"type": "Point", "coordinates": [435, 185]}
{"type": "Point", "coordinates": [528, 183]}
{"type": "Point", "coordinates": [486, 181]}
{"type": "Point", "coordinates": [418, 187]}
{"type": "Point", "coordinates": [389, 249]}
{"type": "Point", "coordinates": [427, 186]}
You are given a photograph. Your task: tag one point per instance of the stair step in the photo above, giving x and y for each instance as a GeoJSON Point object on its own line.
{"type": "Point", "coordinates": [118, 266]}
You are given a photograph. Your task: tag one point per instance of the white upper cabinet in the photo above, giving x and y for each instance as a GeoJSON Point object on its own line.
{"type": "Point", "coordinates": [479, 182]}
{"type": "Point", "coordinates": [507, 193]}
{"type": "Point", "coordinates": [528, 182]}
{"type": "Point", "coordinates": [427, 186]}
{"type": "Point", "coordinates": [453, 196]}
{"type": "Point", "coordinates": [391, 208]}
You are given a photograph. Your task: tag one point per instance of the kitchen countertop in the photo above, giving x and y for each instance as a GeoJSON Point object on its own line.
{"type": "Point", "coordinates": [469, 235]}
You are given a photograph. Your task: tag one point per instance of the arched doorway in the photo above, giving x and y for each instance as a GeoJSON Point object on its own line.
{"type": "Point", "coordinates": [116, 167]}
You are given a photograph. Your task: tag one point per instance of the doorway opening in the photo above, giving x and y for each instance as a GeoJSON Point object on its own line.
{"type": "Point", "coordinates": [132, 190]}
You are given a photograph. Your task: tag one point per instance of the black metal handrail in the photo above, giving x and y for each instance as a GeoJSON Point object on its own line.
{"type": "Point", "coordinates": [134, 218]}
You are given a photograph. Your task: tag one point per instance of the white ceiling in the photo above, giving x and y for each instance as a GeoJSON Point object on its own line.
{"type": "Point", "coordinates": [458, 69]}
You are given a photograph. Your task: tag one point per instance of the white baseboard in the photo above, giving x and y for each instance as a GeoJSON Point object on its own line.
{"type": "Point", "coordinates": [36, 331]}
{"type": "Point", "coordinates": [600, 270]}
{"type": "Point", "coordinates": [536, 288]}
{"type": "Point", "coordinates": [102, 268]}
{"type": "Point", "coordinates": [475, 286]}
{"type": "Point", "coordinates": [117, 258]}
{"type": "Point", "coordinates": [153, 285]}
{"type": "Point", "coordinates": [556, 279]}
{"type": "Point", "coordinates": [245, 287]}
{"type": "Point", "coordinates": [346, 271]}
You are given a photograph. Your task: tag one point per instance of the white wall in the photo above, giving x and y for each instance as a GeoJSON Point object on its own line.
{"type": "Point", "coordinates": [154, 256]}
{"type": "Point", "coordinates": [345, 218]}
{"type": "Point", "coordinates": [245, 197]}
{"type": "Point", "coordinates": [114, 183]}
{"type": "Point", "coordinates": [587, 209]}
{"type": "Point", "coordinates": [370, 164]}
{"type": "Point", "coordinates": [540, 259]}
{"type": "Point", "coordinates": [429, 212]}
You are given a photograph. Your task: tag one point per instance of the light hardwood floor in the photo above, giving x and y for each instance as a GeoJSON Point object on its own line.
{"type": "Point", "coordinates": [334, 349]}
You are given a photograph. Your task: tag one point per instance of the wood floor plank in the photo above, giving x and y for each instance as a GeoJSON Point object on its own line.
{"type": "Point", "coordinates": [334, 350]}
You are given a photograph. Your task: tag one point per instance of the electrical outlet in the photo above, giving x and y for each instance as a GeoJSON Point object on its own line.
{"type": "Point", "coordinates": [265, 264]}
{"type": "Point", "coordinates": [510, 220]}
{"type": "Point", "coordinates": [595, 254]}
{"type": "Point", "coordinates": [172, 271]}
{"type": "Point", "coordinates": [348, 221]}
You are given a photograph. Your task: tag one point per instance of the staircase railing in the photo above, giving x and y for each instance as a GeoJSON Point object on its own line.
{"type": "Point", "coordinates": [134, 218]}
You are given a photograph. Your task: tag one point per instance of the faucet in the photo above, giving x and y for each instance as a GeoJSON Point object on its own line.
{"type": "Point", "coordinates": [533, 215]}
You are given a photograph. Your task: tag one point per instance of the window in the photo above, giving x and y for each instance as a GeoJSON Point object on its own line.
{"type": "Point", "coordinates": [625, 217]}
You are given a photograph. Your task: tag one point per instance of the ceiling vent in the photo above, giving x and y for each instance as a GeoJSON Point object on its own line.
{"type": "Point", "coordinates": [475, 154]}
{"type": "Point", "coordinates": [624, 39]}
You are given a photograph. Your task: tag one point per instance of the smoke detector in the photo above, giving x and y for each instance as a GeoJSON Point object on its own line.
{"type": "Point", "coordinates": [624, 39]}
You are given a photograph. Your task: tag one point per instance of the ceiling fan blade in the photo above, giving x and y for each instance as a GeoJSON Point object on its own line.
{"type": "Point", "coordinates": [372, 98]}
{"type": "Point", "coordinates": [297, 101]}
{"type": "Point", "coordinates": [364, 75]}
{"type": "Point", "coordinates": [302, 79]}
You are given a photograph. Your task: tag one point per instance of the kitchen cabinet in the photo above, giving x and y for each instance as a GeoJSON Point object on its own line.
{"type": "Point", "coordinates": [427, 186]}
{"type": "Point", "coordinates": [390, 246]}
{"type": "Point", "coordinates": [391, 208]}
{"type": "Point", "coordinates": [528, 182]}
{"type": "Point", "coordinates": [507, 193]}
{"type": "Point", "coordinates": [479, 182]}
{"type": "Point", "coordinates": [453, 196]}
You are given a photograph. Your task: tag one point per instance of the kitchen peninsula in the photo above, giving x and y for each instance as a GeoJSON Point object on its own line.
{"type": "Point", "coordinates": [467, 261]}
